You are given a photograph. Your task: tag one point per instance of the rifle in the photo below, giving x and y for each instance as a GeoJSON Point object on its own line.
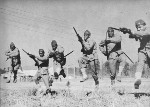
{"type": "Point", "coordinates": [68, 53]}
{"type": "Point", "coordinates": [128, 57]}
{"type": "Point", "coordinates": [7, 58]}
{"type": "Point", "coordinates": [115, 28]}
{"type": "Point", "coordinates": [106, 47]}
{"type": "Point", "coordinates": [27, 52]}
{"type": "Point", "coordinates": [80, 39]}
{"type": "Point", "coordinates": [124, 31]}
{"type": "Point", "coordinates": [32, 56]}
{"type": "Point", "coordinates": [63, 61]}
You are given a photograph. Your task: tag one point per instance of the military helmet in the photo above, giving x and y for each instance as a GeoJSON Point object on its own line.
{"type": "Point", "coordinates": [53, 43]}
{"type": "Point", "coordinates": [41, 50]}
{"type": "Point", "coordinates": [110, 29]}
{"type": "Point", "coordinates": [87, 32]}
{"type": "Point", "coordinates": [12, 44]}
{"type": "Point", "coordinates": [139, 22]}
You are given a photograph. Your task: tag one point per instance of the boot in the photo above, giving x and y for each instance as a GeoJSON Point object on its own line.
{"type": "Point", "coordinates": [56, 75]}
{"type": "Point", "coordinates": [118, 78]}
{"type": "Point", "coordinates": [137, 83]}
{"type": "Point", "coordinates": [119, 74]}
{"type": "Point", "coordinates": [15, 80]}
{"type": "Point", "coordinates": [138, 80]}
{"type": "Point", "coordinates": [96, 85]}
{"type": "Point", "coordinates": [84, 79]}
{"type": "Point", "coordinates": [8, 81]}
{"type": "Point", "coordinates": [84, 75]}
{"type": "Point", "coordinates": [62, 72]}
{"type": "Point", "coordinates": [50, 81]}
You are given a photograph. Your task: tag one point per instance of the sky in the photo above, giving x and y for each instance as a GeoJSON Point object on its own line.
{"type": "Point", "coordinates": [33, 24]}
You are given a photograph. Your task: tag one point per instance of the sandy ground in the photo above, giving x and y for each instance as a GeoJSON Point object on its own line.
{"type": "Point", "coordinates": [124, 87]}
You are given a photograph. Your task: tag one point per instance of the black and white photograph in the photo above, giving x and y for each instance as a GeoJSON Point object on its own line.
{"type": "Point", "coordinates": [75, 53]}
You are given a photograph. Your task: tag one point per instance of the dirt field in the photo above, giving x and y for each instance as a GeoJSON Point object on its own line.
{"type": "Point", "coordinates": [24, 94]}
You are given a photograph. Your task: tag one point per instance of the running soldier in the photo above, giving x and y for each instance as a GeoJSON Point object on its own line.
{"type": "Point", "coordinates": [89, 57]}
{"type": "Point", "coordinates": [14, 55]}
{"type": "Point", "coordinates": [57, 53]}
{"type": "Point", "coordinates": [112, 49]}
{"type": "Point", "coordinates": [42, 62]}
{"type": "Point", "coordinates": [143, 35]}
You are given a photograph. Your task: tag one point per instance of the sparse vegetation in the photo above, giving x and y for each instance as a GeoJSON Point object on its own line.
{"type": "Point", "coordinates": [67, 98]}
{"type": "Point", "coordinates": [121, 96]}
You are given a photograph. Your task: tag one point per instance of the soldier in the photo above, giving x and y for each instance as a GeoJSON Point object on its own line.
{"type": "Point", "coordinates": [42, 62]}
{"type": "Point", "coordinates": [112, 49]}
{"type": "Point", "coordinates": [89, 57]}
{"type": "Point", "coordinates": [143, 35]}
{"type": "Point", "coordinates": [57, 53]}
{"type": "Point", "coordinates": [14, 55]}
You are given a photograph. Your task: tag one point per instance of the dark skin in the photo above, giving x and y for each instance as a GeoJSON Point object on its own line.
{"type": "Point", "coordinates": [12, 47]}
{"type": "Point", "coordinates": [110, 33]}
{"type": "Point", "coordinates": [41, 53]}
{"type": "Point", "coordinates": [54, 47]}
{"type": "Point", "coordinates": [86, 36]}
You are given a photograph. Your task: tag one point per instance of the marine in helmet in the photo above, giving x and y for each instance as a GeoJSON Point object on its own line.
{"type": "Point", "coordinates": [57, 53]}
{"type": "Point", "coordinates": [42, 62]}
{"type": "Point", "coordinates": [89, 58]}
{"type": "Point", "coordinates": [115, 54]}
{"type": "Point", "coordinates": [143, 35]}
{"type": "Point", "coordinates": [14, 55]}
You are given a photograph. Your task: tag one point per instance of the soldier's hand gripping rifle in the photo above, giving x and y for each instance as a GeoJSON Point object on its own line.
{"type": "Point", "coordinates": [126, 31]}
{"type": "Point", "coordinates": [79, 39]}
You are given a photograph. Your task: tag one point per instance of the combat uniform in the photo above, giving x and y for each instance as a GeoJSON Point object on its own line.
{"type": "Point", "coordinates": [143, 51]}
{"type": "Point", "coordinates": [115, 55]}
{"type": "Point", "coordinates": [89, 57]}
{"type": "Point", "coordinates": [15, 63]}
{"type": "Point", "coordinates": [42, 72]}
{"type": "Point", "coordinates": [58, 60]}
